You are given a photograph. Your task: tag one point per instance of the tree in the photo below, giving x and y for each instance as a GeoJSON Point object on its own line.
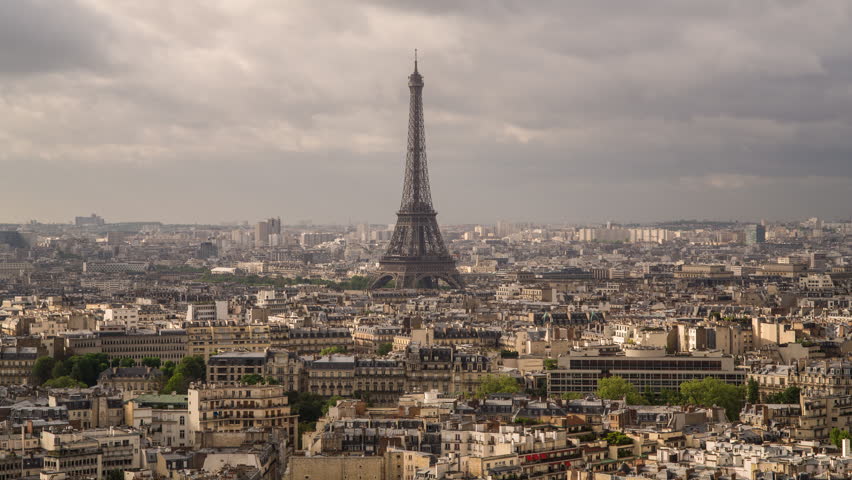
{"type": "Point", "coordinates": [526, 421]}
{"type": "Point", "coordinates": [178, 384]}
{"type": "Point", "coordinates": [331, 350]}
{"type": "Point", "coordinates": [497, 384]}
{"type": "Point", "coordinates": [153, 362]}
{"type": "Point", "coordinates": [572, 396]}
{"type": "Point", "coordinates": [752, 391]}
{"type": "Point", "coordinates": [43, 368]}
{"type": "Point", "coordinates": [711, 391]}
{"type": "Point", "coordinates": [168, 369]}
{"type": "Point", "coordinates": [331, 402]}
{"type": "Point", "coordinates": [550, 364]}
{"type": "Point", "coordinates": [616, 388]}
{"type": "Point", "coordinates": [252, 379]}
{"type": "Point", "coordinates": [384, 348]}
{"type": "Point", "coordinates": [127, 362]}
{"type": "Point", "coordinates": [64, 382]}
{"type": "Point", "coordinates": [192, 367]}
{"type": "Point", "coordinates": [307, 405]}
{"type": "Point", "coordinates": [787, 396]}
{"type": "Point", "coordinates": [60, 369]}
{"type": "Point", "coordinates": [837, 436]}
{"type": "Point", "coordinates": [87, 368]}
{"type": "Point", "coordinates": [617, 438]}
{"type": "Point", "coordinates": [115, 475]}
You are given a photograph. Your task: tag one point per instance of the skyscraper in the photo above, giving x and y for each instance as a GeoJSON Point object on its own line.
{"type": "Point", "coordinates": [416, 256]}
{"type": "Point", "coordinates": [755, 234]}
{"type": "Point", "coordinates": [262, 231]}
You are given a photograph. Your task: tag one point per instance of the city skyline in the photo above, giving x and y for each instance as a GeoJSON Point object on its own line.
{"type": "Point", "coordinates": [552, 113]}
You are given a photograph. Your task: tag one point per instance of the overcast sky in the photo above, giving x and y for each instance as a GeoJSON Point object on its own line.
{"type": "Point", "coordinates": [205, 111]}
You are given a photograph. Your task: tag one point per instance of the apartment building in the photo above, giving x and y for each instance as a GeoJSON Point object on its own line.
{"type": "Point", "coordinates": [443, 368]}
{"type": "Point", "coordinates": [230, 367]}
{"type": "Point", "coordinates": [162, 418]}
{"type": "Point", "coordinates": [219, 408]}
{"type": "Point", "coordinates": [207, 338]}
{"type": "Point", "coordinates": [163, 344]}
{"type": "Point", "coordinates": [89, 408]}
{"type": "Point", "coordinates": [16, 365]}
{"type": "Point", "coordinates": [309, 340]}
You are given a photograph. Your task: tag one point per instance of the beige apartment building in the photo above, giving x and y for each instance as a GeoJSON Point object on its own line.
{"type": "Point", "coordinates": [210, 337]}
{"type": "Point", "coordinates": [164, 344]}
{"type": "Point", "coordinates": [217, 408]}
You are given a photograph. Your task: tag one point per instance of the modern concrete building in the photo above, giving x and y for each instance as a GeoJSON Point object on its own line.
{"type": "Point", "coordinates": [646, 368]}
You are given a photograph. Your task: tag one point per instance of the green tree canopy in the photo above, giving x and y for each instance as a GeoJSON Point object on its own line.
{"type": "Point", "coordinates": [331, 402]}
{"type": "Point", "coordinates": [252, 379]}
{"type": "Point", "coordinates": [384, 348]}
{"type": "Point", "coordinates": [115, 475]}
{"type": "Point", "coordinates": [85, 368]}
{"type": "Point", "coordinates": [192, 367]}
{"type": "Point", "coordinates": [497, 384]}
{"type": "Point", "coordinates": [168, 369]}
{"type": "Point", "coordinates": [60, 369]}
{"type": "Point", "coordinates": [307, 405]}
{"type": "Point", "coordinates": [178, 384]}
{"type": "Point", "coordinates": [616, 388]}
{"type": "Point", "coordinates": [711, 391]}
{"type": "Point", "coordinates": [752, 391]}
{"type": "Point", "coordinates": [64, 382]}
{"type": "Point", "coordinates": [837, 436]}
{"type": "Point", "coordinates": [127, 362]}
{"type": "Point", "coordinates": [550, 364]}
{"type": "Point", "coordinates": [789, 395]}
{"type": "Point", "coordinates": [617, 438]}
{"type": "Point", "coordinates": [43, 368]}
{"type": "Point", "coordinates": [153, 362]}
{"type": "Point", "coordinates": [331, 350]}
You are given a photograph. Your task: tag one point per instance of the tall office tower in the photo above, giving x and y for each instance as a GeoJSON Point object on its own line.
{"type": "Point", "coordinates": [363, 232]}
{"type": "Point", "coordinates": [755, 234]}
{"type": "Point", "coordinates": [262, 231]}
{"type": "Point", "coordinates": [274, 225]}
{"type": "Point", "coordinates": [261, 234]}
{"type": "Point", "coordinates": [416, 256]}
{"type": "Point", "coordinates": [505, 228]}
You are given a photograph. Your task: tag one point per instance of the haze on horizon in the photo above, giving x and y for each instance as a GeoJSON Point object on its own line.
{"type": "Point", "coordinates": [198, 112]}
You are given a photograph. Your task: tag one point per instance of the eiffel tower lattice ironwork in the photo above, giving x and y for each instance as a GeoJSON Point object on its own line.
{"type": "Point", "coordinates": [416, 256]}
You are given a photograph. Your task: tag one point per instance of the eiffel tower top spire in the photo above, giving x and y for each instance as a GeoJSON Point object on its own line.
{"type": "Point", "coordinates": [416, 193]}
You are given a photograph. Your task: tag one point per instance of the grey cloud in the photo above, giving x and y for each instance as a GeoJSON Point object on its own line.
{"type": "Point", "coordinates": [544, 110]}
{"type": "Point", "coordinates": [42, 36]}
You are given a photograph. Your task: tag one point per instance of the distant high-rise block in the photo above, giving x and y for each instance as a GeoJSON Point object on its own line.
{"type": "Point", "coordinates": [755, 234]}
{"type": "Point", "coordinates": [262, 231]}
{"type": "Point", "coordinates": [90, 221]}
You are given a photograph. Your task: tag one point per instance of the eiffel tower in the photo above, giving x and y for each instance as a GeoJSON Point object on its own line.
{"type": "Point", "coordinates": [416, 256]}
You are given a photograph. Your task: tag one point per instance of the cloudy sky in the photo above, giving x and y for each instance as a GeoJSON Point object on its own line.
{"type": "Point", "coordinates": [204, 111]}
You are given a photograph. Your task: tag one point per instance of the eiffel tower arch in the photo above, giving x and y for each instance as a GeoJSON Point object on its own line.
{"type": "Point", "coordinates": [416, 256]}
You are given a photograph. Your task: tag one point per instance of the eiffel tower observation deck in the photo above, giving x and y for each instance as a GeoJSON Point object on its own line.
{"type": "Point", "coordinates": [416, 256]}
